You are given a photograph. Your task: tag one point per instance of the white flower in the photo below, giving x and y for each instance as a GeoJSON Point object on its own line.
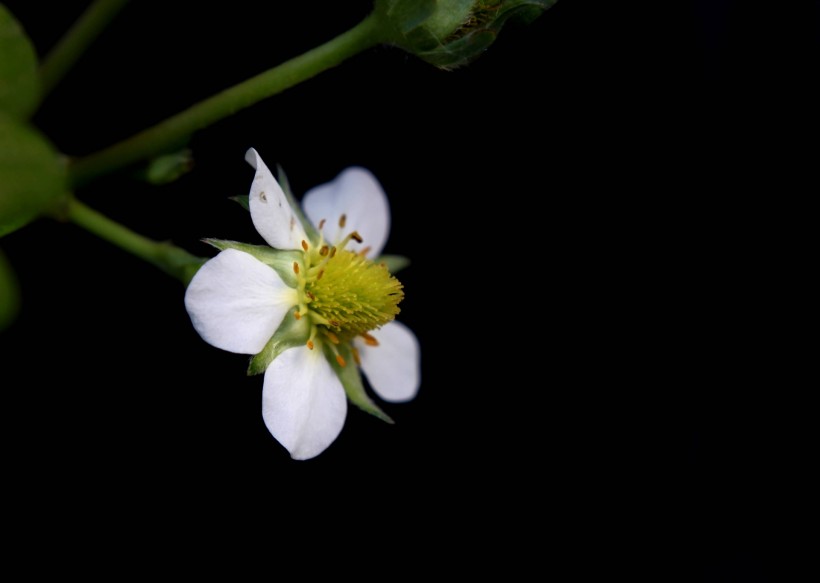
{"type": "Point", "coordinates": [311, 307]}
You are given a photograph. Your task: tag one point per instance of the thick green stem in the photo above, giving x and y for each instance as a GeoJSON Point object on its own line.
{"type": "Point", "coordinates": [173, 132]}
{"type": "Point", "coordinates": [69, 49]}
{"type": "Point", "coordinates": [170, 258]}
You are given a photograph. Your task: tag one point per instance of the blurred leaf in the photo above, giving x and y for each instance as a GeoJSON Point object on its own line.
{"type": "Point", "coordinates": [9, 293]}
{"type": "Point", "coordinates": [19, 84]}
{"type": "Point", "coordinates": [32, 176]}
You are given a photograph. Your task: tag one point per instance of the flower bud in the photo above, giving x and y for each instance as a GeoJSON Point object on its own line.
{"type": "Point", "coordinates": [452, 33]}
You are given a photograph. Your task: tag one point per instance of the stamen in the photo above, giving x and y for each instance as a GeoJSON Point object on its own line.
{"type": "Point", "coordinates": [356, 356]}
{"type": "Point", "coordinates": [333, 338]}
{"type": "Point", "coordinates": [295, 267]}
{"type": "Point", "coordinates": [369, 340]}
{"type": "Point", "coordinates": [323, 251]}
{"type": "Point", "coordinates": [297, 315]}
{"type": "Point", "coordinates": [318, 319]}
{"type": "Point", "coordinates": [310, 344]}
{"type": "Point", "coordinates": [332, 252]}
{"type": "Point", "coordinates": [339, 358]}
{"type": "Point", "coordinates": [320, 274]}
{"type": "Point", "coordinates": [304, 245]}
{"type": "Point", "coordinates": [321, 224]}
{"type": "Point", "coordinates": [310, 295]}
{"type": "Point", "coordinates": [354, 235]}
{"type": "Point", "coordinates": [365, 251]}
{"type": "Point", "coordinates": [343, 220]}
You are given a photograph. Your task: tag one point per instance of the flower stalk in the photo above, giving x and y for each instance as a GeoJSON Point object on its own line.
{"type": "Point", "coordinates": [171, 259]}
{"type": "Point", "coordinates": [70, 48]}
{"type": "Point", "coordinates": [174, 131]}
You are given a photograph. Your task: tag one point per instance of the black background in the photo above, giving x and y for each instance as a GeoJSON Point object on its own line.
{"type": "Point", "coordinates": [585, 253]}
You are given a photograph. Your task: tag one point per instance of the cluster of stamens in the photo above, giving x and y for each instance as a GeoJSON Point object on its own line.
{"type": "Point", "coordinates": [342, 293]}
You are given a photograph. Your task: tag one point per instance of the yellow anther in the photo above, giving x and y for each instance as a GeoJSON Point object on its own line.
{"type": "Point", "coordinates": [343, 221]}
{"type": "Point", "coordinates": [295, 267]}
{"type": "Point", "coordinates": [304, 245]}
{"type": "Point", "coordinates": [310, 344]}
{"type": "Point", "coordinates": [369, 340]}
{"type": "Point", "coordinates": [339, 358]}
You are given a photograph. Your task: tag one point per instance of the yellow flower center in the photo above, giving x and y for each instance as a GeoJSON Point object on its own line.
{"type": "Point", "coordinates": [343, 293]}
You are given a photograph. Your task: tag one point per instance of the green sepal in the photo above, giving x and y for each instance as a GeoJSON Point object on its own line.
{"type": "Point", "coordinates": [352, 381]}
{"type": "Point", "coordinates": [32, 175]}
{"type": "Point", "coordinates": [394, 263]}
{"type": "Point", "coordinates": [9, 293]}
{"type": "Point", "coordinates": [19, 83]}
{"type": "Point", "coordinates": [280, 260]}
{"type": "Point", "coordinates": [290, 334]}
{"type": "Point", "coordinates": [284, 183]}
{"type": "Point", "coordinates": [243, 200]}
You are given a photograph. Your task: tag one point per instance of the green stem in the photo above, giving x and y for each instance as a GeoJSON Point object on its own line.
{"type": "Point", "coordinates": [170, 258]}
{"type": "Point", "coordinates": [74, 43]}
{"type": "Point", "coordinates": [173, 132]}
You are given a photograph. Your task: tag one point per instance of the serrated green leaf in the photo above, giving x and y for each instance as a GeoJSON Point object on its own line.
{"type": "Point", "coordinates": [290, 334]}
{"type": "Point", "coordinates": [19, 84]}
{"type": "Point", "coordinates": [32, 176]}
{"type": "Point", "coordinates": [9, 293]}
{"type": "Point", "coordinates": [352, 381]}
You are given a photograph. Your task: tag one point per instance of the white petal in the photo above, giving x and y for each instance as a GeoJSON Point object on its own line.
{"type": "Point", "coordinates": [303, 402]}
{"type": "Point", "coordinates": [271, 212]}
{"type": "Point", "coordinates": [356, 194]}
{"type": "Point", "coordinates": [393, 368]}
{"type": "Point", "coordinates": [236, 302]}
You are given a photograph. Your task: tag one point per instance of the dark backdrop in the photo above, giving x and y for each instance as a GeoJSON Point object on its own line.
{"type": "Point", "coordinates": [576, 207]}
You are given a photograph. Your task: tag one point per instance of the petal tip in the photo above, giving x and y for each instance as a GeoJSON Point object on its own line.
{"type": "Point", "coordinates": [252, 157]}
